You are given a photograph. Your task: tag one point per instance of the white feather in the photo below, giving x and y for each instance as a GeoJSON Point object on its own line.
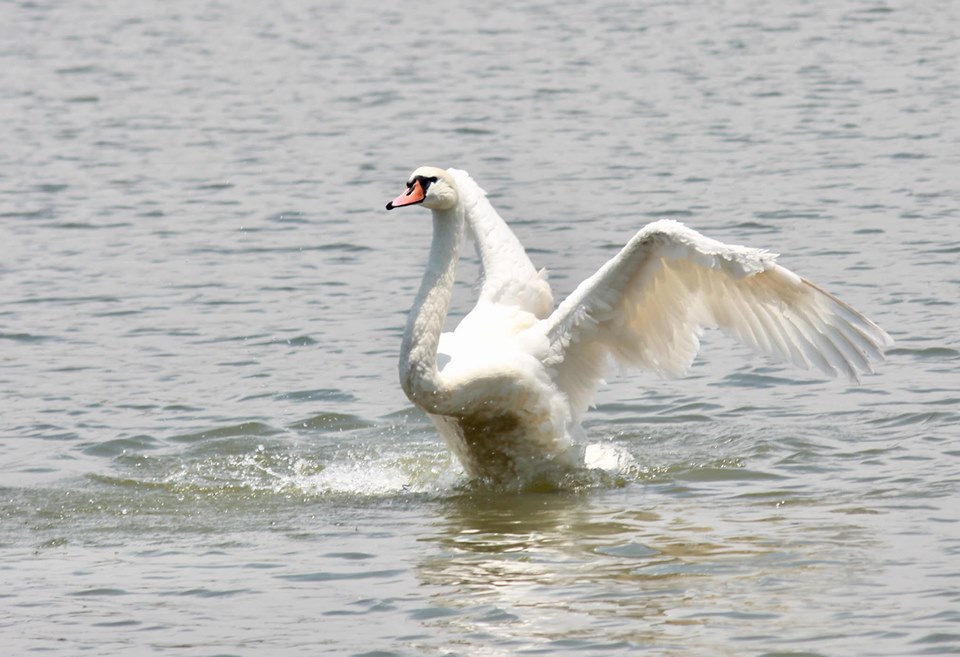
{"type": "Point", "coordinates": [508, 276]}
{"type": "Point", "coordinates": [649, 304]}
{"type": "Point", "coordinates": [507, 388]}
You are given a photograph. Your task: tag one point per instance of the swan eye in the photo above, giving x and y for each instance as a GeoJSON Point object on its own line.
{"type": "Point", "coordinates": [425, 182]}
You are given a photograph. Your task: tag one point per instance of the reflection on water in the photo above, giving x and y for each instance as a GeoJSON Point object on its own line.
{"type": "Point", "coordinates": [682, 558]}
{"type": "Point", "coordinates": [528, 564]}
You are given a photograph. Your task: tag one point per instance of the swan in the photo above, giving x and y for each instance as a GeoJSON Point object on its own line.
{"type": "Point", "coordinates": [508, 387]}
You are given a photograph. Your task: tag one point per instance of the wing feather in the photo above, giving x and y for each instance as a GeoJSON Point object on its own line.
{"type": "Point", "coordinates": [649, 305]}
{"type": "Point", "coordinates": [508, 276]}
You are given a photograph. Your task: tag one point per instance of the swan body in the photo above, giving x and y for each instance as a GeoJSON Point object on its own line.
{"type": "Point", "coordinates": [507, 388]}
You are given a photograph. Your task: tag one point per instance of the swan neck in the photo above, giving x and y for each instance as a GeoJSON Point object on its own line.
{"type": "Point", "coordinates": [419, 374]}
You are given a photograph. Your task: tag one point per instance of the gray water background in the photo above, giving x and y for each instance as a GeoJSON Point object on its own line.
{"type": "Point", "coordinates": [203, 446]}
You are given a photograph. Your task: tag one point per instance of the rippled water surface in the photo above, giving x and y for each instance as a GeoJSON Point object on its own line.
{"type": "Point", "coordinates": [204, 449]}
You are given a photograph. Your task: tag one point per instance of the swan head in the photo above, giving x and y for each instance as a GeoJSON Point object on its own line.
{"type": "Point", "coordinates": [431, 187]}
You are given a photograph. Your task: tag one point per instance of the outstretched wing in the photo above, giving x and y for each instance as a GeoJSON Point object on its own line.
{"type": "Point", "coordinates": [648, 306]}
{"type": "Point", "coordinates": [508, 276]}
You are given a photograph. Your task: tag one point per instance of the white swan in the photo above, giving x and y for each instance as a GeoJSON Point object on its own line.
{"type": "Point", "coordinates": [508, 386]}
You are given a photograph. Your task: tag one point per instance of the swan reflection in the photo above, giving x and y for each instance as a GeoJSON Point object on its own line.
{"type": "Point", "coordinates": [529, 563]}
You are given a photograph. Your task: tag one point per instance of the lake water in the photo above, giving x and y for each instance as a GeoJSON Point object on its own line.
{"type": "Point", "coordinates": [204, 449]}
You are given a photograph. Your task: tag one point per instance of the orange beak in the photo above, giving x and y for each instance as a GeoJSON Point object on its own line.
{"type": "Point", "coordinates": [412, 196]}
